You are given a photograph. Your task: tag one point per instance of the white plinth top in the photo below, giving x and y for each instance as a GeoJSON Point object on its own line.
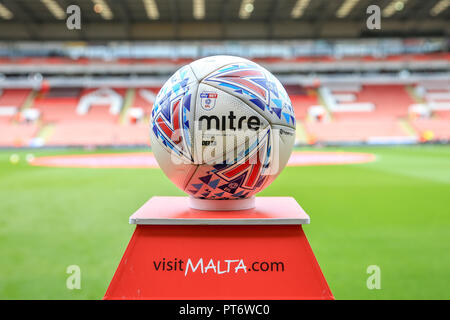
{"type": "Point", "coordinates": [176, 211]}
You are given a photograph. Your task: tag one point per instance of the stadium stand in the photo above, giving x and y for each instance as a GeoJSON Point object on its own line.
{"type": "Point", "coordinates": [13, 97]}
{"type": "Point", "coordinates": [13, 133]}
{"type": "Point", "coordinates": [11, 101]}
{"type": "Point", "coordinates": [100, 134]}
{"type": "Point", "coordinates": [100, 125]}
{"type": "Point", "coordinates": [134, 134]}
{"type": "Point", "coordinates": [389, 101]}
{"type": "Point", "coordinates": [90, 117]}
{"type": "Point", "coordinates": [359, 130]}
{"type": "Point", "coordinates": [331, 109]}
{"type": "Point", "coordinates": [393, 59]}
{"type": "Point", "coordinates": [57, 105]}
{"type": "Point", "coordinates": [17, 135]}
{"type": "Point", "coordinates": [436, 96]}
{"type": "Point", "coordinates": [432, 129]}
{"type": "Point", "coordinates": [302, 99]}
{"type": "Point", "coordinates": [7, 113]}
{"type": "Point", "coordinates": [144, 98]}
{"type": "Point", "coordinates": [82, 134]}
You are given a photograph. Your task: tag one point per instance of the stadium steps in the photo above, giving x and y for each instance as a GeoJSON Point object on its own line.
{"type": "Point", "coordinates": [414, 96]}
{"type": "Point", "coordinates": [29, 100]}
{"type": "Point", "coordinates": [45, 132]}
{"type": "Point", "coordinates": [407, 127]}
{"type": "Point", "coordinates": [127, 103]}
{"type": "Point", "coordinates": [432, 129]}
{"type": "Point", "coordinates": [321, 101]}
{"type": "Point", "coordinates": [301, 137]}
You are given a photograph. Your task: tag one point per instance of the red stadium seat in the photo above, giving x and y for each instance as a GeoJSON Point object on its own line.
{"type": "Point", "coordinates": [17, 135]}
{"type": "Point", "coordinates": [439, 128]}
{"type": "Point", "coordinates": [354, 131]}
{"type": "Point", "coordinates": [391, 101]}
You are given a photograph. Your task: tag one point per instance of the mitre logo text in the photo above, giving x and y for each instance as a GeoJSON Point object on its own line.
{"type": "Point", "coordinates": [230, 122]}
{"type": "Point", "coordinates": [216, 266]}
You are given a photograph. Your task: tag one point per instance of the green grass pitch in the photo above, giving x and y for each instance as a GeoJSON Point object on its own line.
{"type": "Point", "coordinates": [394, 213]}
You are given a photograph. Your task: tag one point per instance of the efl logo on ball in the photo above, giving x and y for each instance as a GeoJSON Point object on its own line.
{"type": "Point", "coordinates": [208, 100]}
{"type": "Point", "coordinates": [222, 127]}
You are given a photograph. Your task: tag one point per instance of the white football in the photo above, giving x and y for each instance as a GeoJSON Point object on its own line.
{"type": "Point", "coordinates": [222, 127]}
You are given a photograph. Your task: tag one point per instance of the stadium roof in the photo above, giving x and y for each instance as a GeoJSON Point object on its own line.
{"type": "Point", "coordinates": [219, 19]}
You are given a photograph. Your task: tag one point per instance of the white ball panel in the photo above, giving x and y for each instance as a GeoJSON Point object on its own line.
{"type": "Point", "coordinates": [225, 113]}
{"type": "Point", "coordinates": [258, 88]}
{"type": "Point", "coordinates": [205, 66]}
{"type": "Point", "coordinates": [176, 168]}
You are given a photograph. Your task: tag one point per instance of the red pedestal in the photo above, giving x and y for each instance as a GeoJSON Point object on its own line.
{"type": "Point", "coordinates": [182, 253]}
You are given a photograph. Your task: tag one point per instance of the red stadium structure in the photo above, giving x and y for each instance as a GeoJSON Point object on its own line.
{"type": "Point", "coordinates": [362, 98]}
